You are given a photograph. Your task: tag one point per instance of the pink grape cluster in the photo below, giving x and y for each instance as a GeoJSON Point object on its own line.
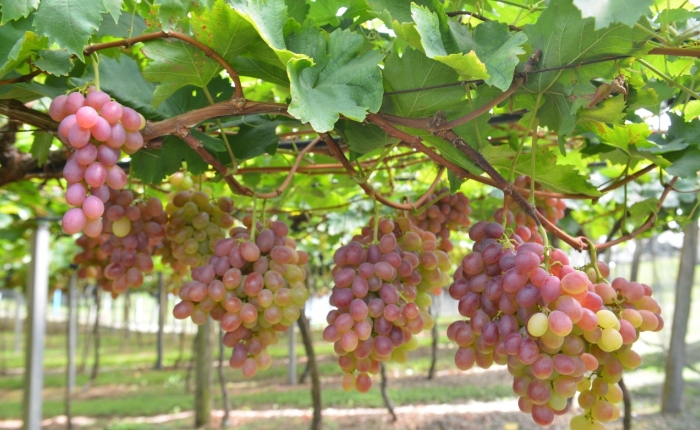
{"type": "Point", "coordinates": [382, 280]}
{"type": "Point", "coordinates": [91, 260]}
{"type": "Point", "coordinates": [552, 208]}
{"type": "Point", "coordinates": [449, 213]}
{"type": "Point", "coordinates": [135, 229]}
{"type": "Point", "coordinates": [557, 328]}
{"type": "Point", "coordinates": [254, 286]}
{"type": "Point", "coordinates": [97, 128]}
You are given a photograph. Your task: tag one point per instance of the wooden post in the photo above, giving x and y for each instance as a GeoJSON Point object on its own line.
{"type": "Point", "coordinates": [72, 342]}
{"type": "Point", "coordinates": [162, 299]}
{"type": "Point", "coordinates": [19, 304]}
{"type": "Point", "coordinates": [202, 392]}
{"type": "Point", "coordinates": [672, 398]}
{"type": "Point", "coordinates": [37, 292]}
{"type": "Point", "coordinates": [292, 369]}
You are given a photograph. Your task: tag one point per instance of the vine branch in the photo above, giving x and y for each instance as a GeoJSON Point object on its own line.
{"type": "Point", "coordinates": [184, 38]}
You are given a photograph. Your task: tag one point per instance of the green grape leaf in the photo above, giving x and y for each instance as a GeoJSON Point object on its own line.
{"type": "Point", "coordinates": [640, 211]}
{"type": "Point", "coordinates": [127, 26]}
{"type": "Point", "coordinates": [175, 64]}
{"type": "Point", "coordinates": [498, 48]}
{"type": "Point", "coordinates": [152, 166]}
{"type": "Point", "coordinates": [620, 136]}
{"type": "Point", "coordinates": [670, 16]}
{"type": "Point", "coordinates": [15, 9]}
{"type": "Point", "coordinates": [414, 70]}
{"type": "Point", "coordinates": [268, 17]}
{"type": "Point", "coordinates": [566, 38]}
{"type": "Point", "coordinates": [55, 62]}
{"type": "Point", "coordinates": [685, 163]}
{"type": "Point", "coordinates": [609, 111]}
{"type": "Point", "coordinates": [261, 70]}
{"type": "Point", "coordinates": [439, 44]}
{"type": "Point", "coordinates": [344, 81]}
{"type": "Point", "coordinates": [323, 12]}
{"type": "Point", "coordinates": [16, 45]}
{"type": "Point", "coordinates": [398, 10]}
{"type": "Point", "coordinates": [69, 23]}
{"type": "Point", "coordinates": [224, 30]}
{"type": "Point", "coordinates": [364, 138]}
{"type": "Point", "coordinates": [455, 183]}
{"type": "Point", "coordinates": [297, 9]}
{"type": "Point", "coordinates": [41, 146]}
{"type": "Point", "coordinates": [607, 12]}
{"type": "Point", "coordinates": [256, 136]}
{"type": "Point", "coordinates": [170, 12]}
{"type": "Point", "coordinates": [563, 178]}
{"type": "Point", "coordinates": [114, 8]}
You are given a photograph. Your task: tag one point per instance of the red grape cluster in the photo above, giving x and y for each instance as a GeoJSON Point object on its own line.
{"type": "Point", "coordinates": [557, 328]}
{"type": "Point", "coordinates": [552, 208]}
{"type": "Point", "coordinates": [91, 260]}
{"type": "Point", "coordinates": [135, 229]}
{"type": "Point", "coordinates": [382, 280]}
{"type": "Point", "coordinates": [254, 286]}
{"type": "Point", "coordinates": [450, 212]}
{"type": "Point", "coordinates": [98, 129]}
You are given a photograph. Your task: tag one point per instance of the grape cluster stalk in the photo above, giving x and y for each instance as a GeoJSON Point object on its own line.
{"type": "Point", "coordinates": [559, 330]}
{"type": "Point", "coordinates": [444, 214]}
{"type": "Point", "coordinates": [253, 284]}
{"type": "Point", "coordinates": [550, 207]}
{"type": "Point", "coordinates": [97, 129]}
{"type": "Point", "coordinates": [381, 294]}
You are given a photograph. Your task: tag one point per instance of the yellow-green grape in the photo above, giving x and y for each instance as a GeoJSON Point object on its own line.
{"type": "Point", "coordinates": [606, 319]}
{"type": "Point", "coordinates": [538, 325]}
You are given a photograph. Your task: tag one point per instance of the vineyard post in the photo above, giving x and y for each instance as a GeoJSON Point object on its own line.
{"type": "Point", "coordinates": [203, 359]}
{"type": "Point", "coordinates": [19, 322]}
{"type": "Point", "coordinates": [37, 291]}
{"type": "Point", "coordinates": [292, 369]}
{"type": "Point", "coordinates": [672, 398]}
{"type": "Point", "coordinates": [71, 344]}
{"type": "Point", "coordinates": [162, 303]}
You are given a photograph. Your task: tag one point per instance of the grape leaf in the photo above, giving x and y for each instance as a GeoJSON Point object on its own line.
{"type": "Point", "coordinates": [685, 163]}
{"type": "Point", "coordinates": [269, 18]}
{"type": "Point", "coordinates": [175, 64]}
{"type": "Point", "coordinates": [297, 9]}
{"type": "Point", "coordinates": [414, 70]}
{"type": "Point", "coordinates": [128, 25]}
{"type": "Point", "coordinates": [69, 23]}
{"type": "Point", "coordinates": [55, 62]}
{"type": "Point", "coordinates": [607, 12]}
{"type": "Point", "coordinates": [439, 44]}
{"type": "Point", "coordinates": [114, 8]}
{"type": "Point", "coordinates": [398, 10]}
{"type": "Point", "coordinates": [13, 9]}
{"type": "Point", "coordinates": [261, 70]}
{"type": "Point", "coordinates": [566, 38]}
{"type": "Point", "coordinates": [16, 45]}
{"type": "Point", "coordinates": [364, 138]}
{"type": "Point", "coordinates": [563, 178]}
{"type": "Point", "coordinates": [170, 12]}
{"type": "Point", "coordinates": [670, 16]}
{"type": "Point", "coordinates": [224, 30]}
{"type": "Point", "coordinates": [256, 136]}
{"type": "Point", "coordinates": [41, 146]}
{"type": "Point", "coordinates": [152, 166]}
{"type": "Point", "coordinates": [455, 183]}
{"type": "Point", "coordinates": [344, 81]}
{"type": "Point", "coordinates": [641, 210]}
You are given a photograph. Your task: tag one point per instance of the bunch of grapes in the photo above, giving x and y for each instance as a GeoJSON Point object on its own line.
{"type": "Point", "coordinates": [91, 260]}
{"type": "Point", "coordinates": [382, 280]}
{"type": "Point", "coordinates": [98, 129]}
{"type": "Point", "coordinates": [254, 286]}
{"type": "Point", "coordinates": [450, 212]}
{"type": "Point", "coordinates": [135, 229]}
{"type": "Point", "coordinates": [195, 226]}
{"type": "Point", "coordinates": [552, 208]}
{"type": "Point", "coordinates": [558, 329]}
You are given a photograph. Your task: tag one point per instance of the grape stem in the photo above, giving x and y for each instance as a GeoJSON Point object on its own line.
{"type": "Point", "coordinates": [376, 222]}
{"type": "Point", "coordinates": [594, 259]}
{"type": "Point", "coordinates": [423, 208]}
{"type": "Point", "coordinates": [545, 244]}
{"type": "Point", "coordinates": [96, 67]}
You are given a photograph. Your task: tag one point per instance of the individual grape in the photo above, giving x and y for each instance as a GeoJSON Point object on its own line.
{"type": "Point", "coordinates": [111, 112]}
{"type": "Point", "coordinates": [86, 117]}
{"type": "Point", "coordinates": [131, 120]}
{"type": "Point", "coordinates": [57, 108]}
{"type": "Point", "coordinates": [116, 178]}
{"type": "Point", "coordinates": [96, 174]}
{"type": "Point", "coordinates": [73, 221]}
{"type": "Point", "coordinates": [78, 136]}
{"type": "Point", "coordinates": [537, 325]}
{"type": "Point", "coordinates": [75, 195]}
{"type": "Point", "coordinates": [96, 99]}
{"type": "Point", "coordinates": [73, 102]}
{"type": "Point", "coordinates": [93, 207]}
{"type": "Point", "coordinates": [101, 131]}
